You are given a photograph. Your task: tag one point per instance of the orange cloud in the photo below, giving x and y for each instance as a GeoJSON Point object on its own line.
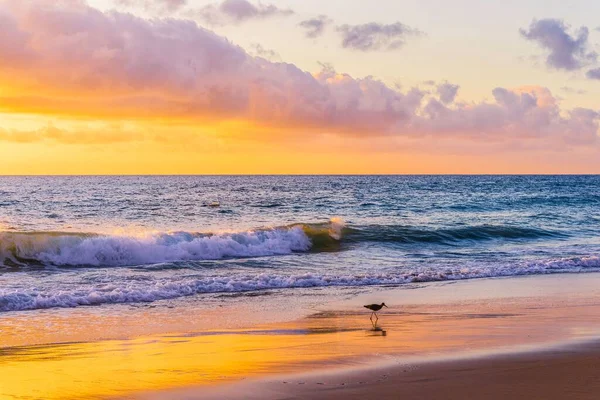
{"type": "Point", "coordinates": [56, 135]}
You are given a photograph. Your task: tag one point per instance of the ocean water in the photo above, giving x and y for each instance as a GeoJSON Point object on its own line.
{"type": "Point", "coordinates": [85, 241]}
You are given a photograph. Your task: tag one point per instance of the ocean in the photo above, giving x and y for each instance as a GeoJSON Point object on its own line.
{"type": "Point", "coordinates": [99, 240]}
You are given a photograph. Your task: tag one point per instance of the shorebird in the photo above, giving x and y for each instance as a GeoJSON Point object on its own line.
{"type": "Point", "coordinates": [375, 308]}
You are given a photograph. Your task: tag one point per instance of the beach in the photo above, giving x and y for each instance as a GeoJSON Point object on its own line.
{"type": "Point", "coordinates": [166, 287]}
{"type": "Point", "coordinates": [570, 372]}
{"type": "Point", "coordinates": [484, 337]}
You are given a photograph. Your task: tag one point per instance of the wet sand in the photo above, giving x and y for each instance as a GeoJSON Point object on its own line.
{"type": "Point", "coordinates": [466, 330]}
{"type": "Point", "coordinates": [521, 338]}
{"type": "Point", "coordinates": [571, 372]}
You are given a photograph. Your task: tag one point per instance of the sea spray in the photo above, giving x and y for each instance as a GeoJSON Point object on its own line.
{"type": "Point", "coordinates": [336, 225]}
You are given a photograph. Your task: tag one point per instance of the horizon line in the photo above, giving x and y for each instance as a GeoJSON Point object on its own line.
{"type": "Point", "coordinates": [307, 174]}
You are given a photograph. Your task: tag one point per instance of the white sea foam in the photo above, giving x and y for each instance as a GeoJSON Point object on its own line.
{"type": "Point", "coordinates": [132, 291]}
{"type": "Point", "coordinates": [106, 250]}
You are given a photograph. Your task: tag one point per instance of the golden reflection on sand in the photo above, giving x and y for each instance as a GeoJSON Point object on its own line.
{"type": "Point", "coordinates": [121, 367]}
{"type": "Point", "coordinates": [117, 367]}
{"type": "Point", "coordinates": [449, 321]}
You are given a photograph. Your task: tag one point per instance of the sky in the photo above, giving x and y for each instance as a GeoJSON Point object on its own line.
{"type": "Point", "coordinates": [299, 87]}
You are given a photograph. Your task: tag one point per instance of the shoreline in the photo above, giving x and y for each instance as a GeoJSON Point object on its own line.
{"type": "Point", "coordinates": [430, 321]}
{"type": "Point", "coordinates": [243, 310]}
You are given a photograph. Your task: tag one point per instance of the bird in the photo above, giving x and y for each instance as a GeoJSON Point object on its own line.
{"type": "Point", "coordinates": [375, 308]}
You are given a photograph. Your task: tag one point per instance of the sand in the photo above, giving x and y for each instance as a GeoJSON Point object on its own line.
{"type": "Point", "coordinates": [528, 337]}
{"type": "Point", "coordinates": [516, 338]}
{"type": "Point", "coordinates": [572, 372]}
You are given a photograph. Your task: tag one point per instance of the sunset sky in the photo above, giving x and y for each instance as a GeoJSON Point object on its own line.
{"type": "Point", "coordinates": [299, 86]}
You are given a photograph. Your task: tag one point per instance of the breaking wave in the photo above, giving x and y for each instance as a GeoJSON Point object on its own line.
{"type": "Point", "coordinates": [64, 249]}
{"type": "Point", "coordinates": [83, 249]}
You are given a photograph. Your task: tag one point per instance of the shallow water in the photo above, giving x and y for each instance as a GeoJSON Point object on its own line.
{"type": "Point", "coordinates": [446, 321]}
{"type": "Point", "coordinates": [76, 241]}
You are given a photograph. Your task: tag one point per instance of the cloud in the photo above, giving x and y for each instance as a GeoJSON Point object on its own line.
{"type": "Point", "coordinates": [52, 134]}
{"type": "Point", "coordinates": [237, 11]}
{"type": "Point", "coordinates": [315, 27]}
{"type": "Point", "coordinates": [571, 90]}
{"type": "Point", "coordinates": [524, 113]}
{"type": "Point", "coordinates": [566, 51]}
{"type": "Point", "coordinates": [267, 54]}
{"type": "Point", "coordinates": [447, 92]}
{"type": "Point", "coordinates": [156, 5]}
{"type": "Point", "coordinates": [81, 61]}
{"type": "Point", "coordinates": [374, 36]}
{"type": "Point", "coordinates": [593, 74]}
{"type": "Point", "coordinates": [14, 41]}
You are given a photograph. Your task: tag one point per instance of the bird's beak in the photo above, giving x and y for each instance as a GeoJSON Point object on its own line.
{"type": "Point", "coordinates": [385, 306]}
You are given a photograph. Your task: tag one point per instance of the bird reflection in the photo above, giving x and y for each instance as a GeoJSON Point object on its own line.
{"type": "Point", "coordinates": [377, 331]}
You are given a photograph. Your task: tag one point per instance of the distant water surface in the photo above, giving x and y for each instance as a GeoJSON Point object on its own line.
{"type": "Point", "coordinates": [75, 241]}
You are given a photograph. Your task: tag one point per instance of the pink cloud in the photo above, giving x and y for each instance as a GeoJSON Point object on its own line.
{"type": "Point", "coordinates": [157, 5]}
{"type": "Point", "coordinates": [237, 11]}
{"type": "Point", "coordinates": [447, 92]}
{"type": "Point", "coordinates": [177, 68]}
{"type": "Point", "coordinates": [525, 113]}
{"type": "Point", "coordinates": [13, 42]}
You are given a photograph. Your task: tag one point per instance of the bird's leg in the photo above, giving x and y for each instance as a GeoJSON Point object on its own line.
{"type": "Point", "coordinates": [376, 317]}
{"type": "Point", "coordinates": [371, 317]}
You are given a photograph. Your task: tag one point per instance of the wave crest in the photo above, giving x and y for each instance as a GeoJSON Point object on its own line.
{"type": "Point", "coordinates": [65, 249]}
{"type": "Point", "coordinates": [72, 249]}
